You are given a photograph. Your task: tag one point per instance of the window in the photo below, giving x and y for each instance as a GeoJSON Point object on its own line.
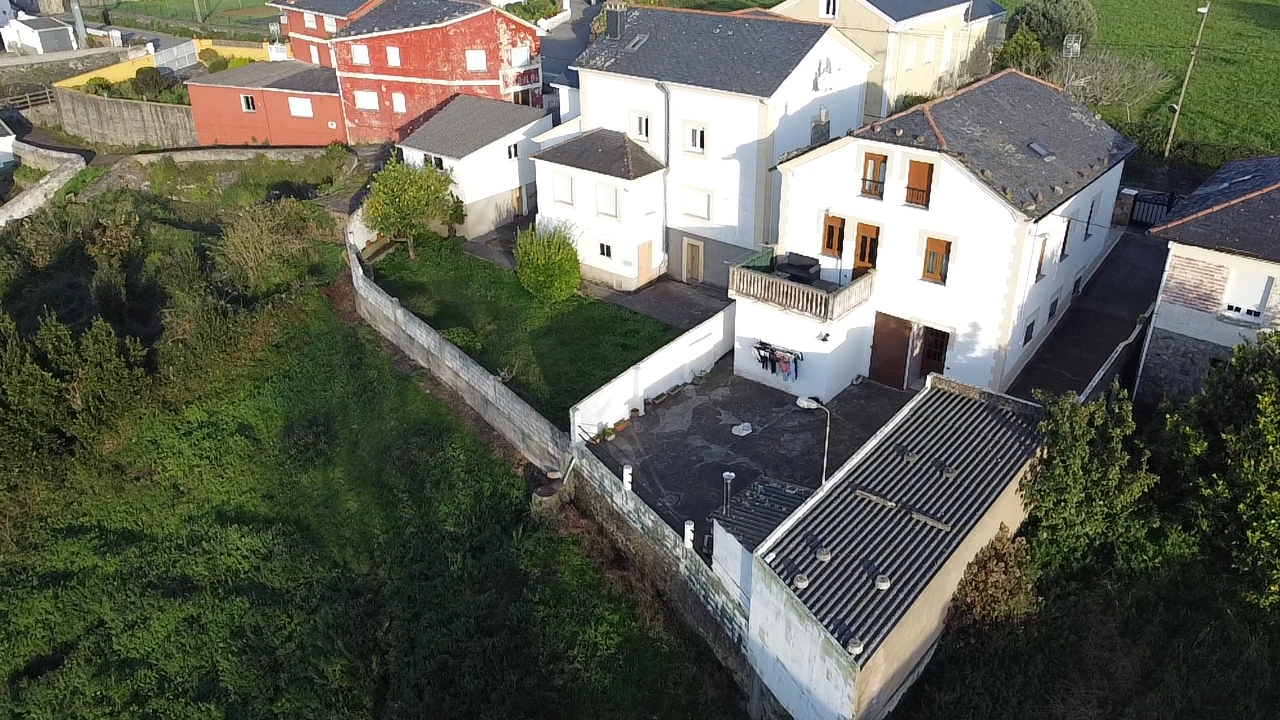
{"type": "Point", "coordinates": [606, 250]}
{"type": "Point", "coordinates": [1247, 294]}
{"type": "Point", "coordinates": [300, 107]}
{"type": "Point", "coordinates": [562, 189]}
{"type": "Point", "coordinates": [248, 103]}
{"type": "Point", "coordinates": [366, 99]}
{"type": "Point", "coordinates": [695, 138]}
{"type": "Point", "coordinates": [830, 8]}
{"type": "Point", "coordinates": [1088, 220]}
{"type": "Point", "coordinates": [1044, 246]}
{"type": "Point", "coordinates": [437, 162]}
{"type": "Point", "coordinates": [944, 64]}
{"type": "Point", "coordinates": [476, 61]}
{"type": "Point", "coordinates": [695, 203]}
{"type": "Point", "coordinates": [873, 167]}
{"type": "Point", "coordinates": [1066, 239]}
{"type": "Point", "coordinates": [640, 126]}
{"type": "Point", "coordinates": [930, 46]}
{"type": "Point", "coordinates": [284, 18]}
{"type": "Point", "coordinates": [909, 56]}
{"type": "Point", "coordinates": [309, 19]}
{"type": "Point", "coordinates": [1053, 309]}
{"type": "Point", "coordinates": [398, 104]}
{"type": "Point", "coordinates": [520, 56]}
{"type": "Point", "coordinates": [868, 246]}
{"type": "Point", "coordinates": [360, 54]}
{"type": "Point", "coordinates": [393, 56]}
{"type": "Point", "coordinates": [1028, 333]}
{"type": "Point", "coordinates": [833, 236]}
{"type": "Point", "coordinates": [820, 127]}
{"type": "Point", "coordinates": [919, 183]}
{"type": "Point", "coordinates": [1075, 287]}
{"type": "Point", "coordinates": [315, 55]}
{"type": "Point", "coordinates": [330, 24]}
{"type": "Point", "coordinates": [513, 151]}
{"type": "Point", "coordinates": [937, 259]}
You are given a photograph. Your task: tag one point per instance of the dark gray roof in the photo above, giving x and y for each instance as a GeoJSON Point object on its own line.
{"type": "Point", "coordinates": [337, 8]}
{"type": "Point", "coordinates": [746, 54]}
{"type": "Point", "coordinates": [758, 509]}
{"type": "Point", "coordinates": [904, 507]}
{"type": "Point", "coordinates": [1236, 211]}
{"type": "Point", "coordinates": [989, 127]}
{"type": "Point", "coordinates": [899, 10]}
{"type": "Point", "coordinates": [287, 75]}
{"type": "Point", "coordinates": [403, 14]}
{"type": "Point", "coordinates": [467, 123]}
{"type": "Point", "coordinates": [43, 23]}
{"type": "Point", "coordinates": [607, 152]}
{"type": "Point", "coordinates": [980, 9]}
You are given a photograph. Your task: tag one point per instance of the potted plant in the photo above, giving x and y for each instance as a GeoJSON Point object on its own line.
{"type": "Point", "coordinates": [621, 425]}
{"type": "Point", "coordinates": [609, 434]}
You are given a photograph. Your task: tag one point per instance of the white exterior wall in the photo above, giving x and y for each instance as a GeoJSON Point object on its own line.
{"type": "Point", "coordinates": [732, 564]}
{"type": "Point", "coordinates": [827, 367]}
{"type": "Point", "coordinates": [639, 218]}
{"type": "Point", "coordinates": [804, 667]}
{"type": "Point", "coordinates": [1217, 327]}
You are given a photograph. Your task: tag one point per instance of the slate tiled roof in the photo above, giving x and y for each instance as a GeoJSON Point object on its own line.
{"type": "Point", "coordinates": [990, 126]}
{"type": "Point", "coordinates": [287, 75]}
{"type": "Point", "coordinates": [758, 509]}
{"type": "Point", "coordinates": [748, 54]}
{"type": "Point", "coordinates": [607, 152]}
{"type": "Point", "coordinates": [980, 9]}
{"type": "Point", "coordinates": [1236, 211]}
{"type": "Point", "coordinates": [403, 14]}
{"type": "Point", "coordinates": [467, 123]}
{"type": "Point", "coordinates": [337, 8]}
{"type": "Point", "coordinates": [899, 10]}
{"type": "Point", "coordinates": [904, 507]}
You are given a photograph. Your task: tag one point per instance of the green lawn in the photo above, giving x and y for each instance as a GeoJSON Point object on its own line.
{"type": "Point", "coordinates": [555, 353]}
{"type": "Point", "coordinates": [248, 12]}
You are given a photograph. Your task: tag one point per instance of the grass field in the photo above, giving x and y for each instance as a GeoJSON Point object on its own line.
{"type": "Point", "coordinates": [557, 353]}
{"type": "Point", "coordinates": [242, 12]}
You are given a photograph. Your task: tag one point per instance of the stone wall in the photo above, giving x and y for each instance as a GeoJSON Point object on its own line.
{"type": "Point", "coordinates": [1175, 365]}
{"type": "Point", "coordinates": [125, 122]}
{"type": "Point", "coordinates": [226, 154]}
{"type": "Point", "coordinates": [61, 166]}
{"type": "Point", "coordinates": [49, 68]}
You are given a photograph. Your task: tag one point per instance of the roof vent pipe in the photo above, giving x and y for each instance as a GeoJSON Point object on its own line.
{"type": "Point", "coordinates": [626, 478]}
{"type": "Point", "coordinates": [823, 555]}
{"type": "Point", "coordinates": [802, 581]}
{"type": "Point", "coordinates": [688, 534]}
{"type": "Point", "coordinates": [728, 488]}
{"type": "Point", "coordinates": [882, 582]}
{"type": "Point", "coordinates": [615, 20]}
{"type": "Point", "coordinates": [855, 647]}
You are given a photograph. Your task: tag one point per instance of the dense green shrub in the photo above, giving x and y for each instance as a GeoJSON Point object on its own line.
{"type": "Point", "coordinates": [998, 586]}
{"type": "Point", "coordinates": [219, 65]}
{"type": "Point", "coordinates": [208, 55]}
{"type": "Point", "coordinates": [465, 338]}
{"type": "Point", "coordinates": [261, 245]}
{"type": "Point", "coordinates": [1050, 21]}
{"type": "Point", "coordinates": [149, 81]}
{"type": "Point", "coordinates": [406, 202]}
{"type": "Point", "coordinates": [547, 263]}
{"type": "Point", "coordinates": [533, 10]}
{"type": "Point", "coordinates": [1021, 51]}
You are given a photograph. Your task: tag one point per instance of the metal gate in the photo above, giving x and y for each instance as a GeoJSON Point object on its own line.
{"type": "Point", "coordinates": [1150, 208]}
{"type": "Point", "coordinates": [178, 57]}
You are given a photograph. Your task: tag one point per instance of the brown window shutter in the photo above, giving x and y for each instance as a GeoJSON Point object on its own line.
{"type": "Point", "coordinates": [937, 255]}
{"type": "Point", "coordinates": [919, 175]}
{"type": "Point", "coordinates": [868, 246]}
{"type": "Point", "coordinates": [833, 236]}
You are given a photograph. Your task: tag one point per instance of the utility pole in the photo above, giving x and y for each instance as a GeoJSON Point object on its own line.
{"type": "Point", "coordinates": [199, 18]}
{"type": "Point", "coordinates": [1182, 94]}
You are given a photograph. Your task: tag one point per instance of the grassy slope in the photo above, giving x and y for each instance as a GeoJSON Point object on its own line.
{"type": "Point", "coordinates": [560, 352]}
{"type": "Point", "coordinates": [312, 536]}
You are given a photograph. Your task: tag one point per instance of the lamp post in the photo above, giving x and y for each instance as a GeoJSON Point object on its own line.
{"type": "Point", "coordinates": [812, 404]}
{"type": "Point", "coordinates": [1182, 94]}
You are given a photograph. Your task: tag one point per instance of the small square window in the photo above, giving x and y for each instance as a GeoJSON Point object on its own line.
{"type": "Point", "coordinates": [1029, 333]}
{"type": "Point", "coordinates": [309, 20]}
{"type": "Point", "coordinates": [398, 105]}
{"type": "Point", "coordinates": [393, 56]}
{"type": "Point", "coordinates": [360, 54]}
{"type": "Point", "coordinates": [248, 103]}
{"type": "Point", "coordinates": [300, 107]}
{"type": "Point", "coordinates": [476, 61]}
{"type": "Point", "coordinates": [330, 24]}
{"type": "Point", "coordinates": [365, 99]}
{"type": "Point", "coordinates": [437, 162]}
{"type": "Point", "coordinates": [513, 151]}
{"type": "Point", "coordinates": [937, 260]}
{"type": "Point", "coordinates": [640, 126]}
{"type": "Point", "coordinates": [284, 18]}
{"type": "Point", "coordinates": [695, 138]}
{"type": "Point", "coordinates": [830, 8]}
{"type": "Point", "coordinates": [1053, 309]}
{"type": "Point", "coordinates": [606, 250]}
{"type": "Point", "coordinates": [520, 56]}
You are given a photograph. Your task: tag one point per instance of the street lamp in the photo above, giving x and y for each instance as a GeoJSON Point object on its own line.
{"type": "Point", "coordinates": [1182, 94]}
{"type": "Point", "coordinates": [809, 403]}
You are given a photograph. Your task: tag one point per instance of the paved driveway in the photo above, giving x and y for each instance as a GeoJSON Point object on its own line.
{"type": "Point", "coordinates": [564, 44]}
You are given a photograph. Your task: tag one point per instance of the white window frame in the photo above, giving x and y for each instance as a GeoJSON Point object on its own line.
{"type": "Point", "coordinates": [301, 107]}
{"type": "Point", "coordinates": [689, 193]}
{"type": "Point", "coordinates": [477, 61]}
{"type": "Point", "coordinates": [315, 55]}
{"type": "Point", "coordinates": [562, 188]}
{"type": "Point", "coordinates": [524, 59]}
{"type": "Point", "coordinates": [830, 9]}
{"type": "Point", "coordinates": [309, 20]}
{"type": "Point", "coordinates": [284, 18]}
{"type": "Point", "coordinates": [248, 103]}
{"type": "Point", "coordinates": [948, 39]}
{"type": "Point", "coordinates": [513, 151]}
{"type": "Point", "coordinates": [436, 162]}
{"type": "Point", "coordinates": [641, 126]}
{"type": "Point", "coordinates": [695, 138]}
{"type": "Point", "coordinates": [909, 55]}
{"type": "Point", "coordinates": [398, 105]}
{"type": "Point", "coordinates": [606, 250]}
{"type": "Point", "coordinates": [358, 95]}
{"type": "Point", "coordinates": [1246, 295]}
{"type": "Point", "coordinates": [330, 23]}
{"type": "Point", "coordinates": [930, 47]}
{"type": "Point", "coordinates": [610, 194]}
{"type": "Point", "coordinates": [360, 54]}
{"type": "Point", "coordinates": [393, 56]}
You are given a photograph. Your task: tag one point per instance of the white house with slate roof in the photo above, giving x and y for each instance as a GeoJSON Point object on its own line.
{"type": "Point", "coordinates": [716, 99]}
{"type": "Point", "coordinates": [486, 144]}
{"type": "Point", "coordinates": [949, 238]}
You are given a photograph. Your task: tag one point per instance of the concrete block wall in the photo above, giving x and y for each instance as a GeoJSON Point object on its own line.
{"type": "Point", "coordinates": [125, 122]}
{"type": "Point", "coordinates": [61, 166]}
{"type": "Point", "coordinates": [226, 154]}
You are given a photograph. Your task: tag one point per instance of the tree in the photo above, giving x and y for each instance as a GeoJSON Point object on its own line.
{"type": "Point", "coordinates": [998, 586]}
{"type": "Point", "coordinates": [1050, 21]}
{"type": "Point", "coordinates": [547, 263]}
{"type": "Point", "coordinates": [1086, 497]}
{"type": "Point", "coordinates": [405, 202]}
{"type": "Point", "coordinates": [148, 82]}
{"type": "Point", "coordinates": [1021, 52]}
{"type": "Point", "coordinates": [1102, 77]}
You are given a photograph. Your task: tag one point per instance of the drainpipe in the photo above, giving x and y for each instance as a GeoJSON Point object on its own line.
{"type": "Point", "coordinates": [666, 170]}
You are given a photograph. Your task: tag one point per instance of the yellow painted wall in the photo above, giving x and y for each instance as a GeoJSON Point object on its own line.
{"type": "Point", "coordinates": [112, 73]}
{"type": "Point", "coordinates": [230, 51]}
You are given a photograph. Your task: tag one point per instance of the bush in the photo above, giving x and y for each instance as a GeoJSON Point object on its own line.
{"type": "Point", "coordinates": [1022, 51]}
{"type": "Point", "coordinates": [98, 86]}
{"type": "Point", "coordinates": [405, 202]}
{"type": "Point", "coordinates": [219, 65]}
{"type": "Point", "coordinates": [547, 263]}
{"type": "Point", "coordinates": [998, 586]}
{"type": "Point", "coordinates": [208, 55]}
{"type": "Point", "coordinates": [261, 244]}
{"type": "Point", "coordinates": [533, 10]}
{"type": "Point", "coordinates": [1050, 21]}
{"type": "Point", "coordinates": [464, 338]}
{"type": "Point", "coordinates": [148, 81]}
{"type": "Point", "coordinates": [236, 62]}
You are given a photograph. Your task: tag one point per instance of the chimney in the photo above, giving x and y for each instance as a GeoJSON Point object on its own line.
{"type": "Point", "coordinates": [615, 19]}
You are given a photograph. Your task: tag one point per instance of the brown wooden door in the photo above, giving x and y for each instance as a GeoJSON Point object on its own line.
{"type": "Point", "coordinates": [692, 261]}
{"type": "Point", "coordinates": [890, 344]}
{"type": "Point", "coordinates": [934, 353]}
{"type": "Point", "coordinates": [644, 262]}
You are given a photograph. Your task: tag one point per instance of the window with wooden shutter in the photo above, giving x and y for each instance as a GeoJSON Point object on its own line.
{"type": "Point", "coordinates": [937, 258]}
{"type": "Point", "coordinates": [1044, 243]}
{"type": "Point", "coordinates": [919, 183]}
{"type": "Point", "coordinates": [873, 175]}
{"type": "Point", "coordinates": [833, 236]}
{"type": "Point", "coordinates": [868, 246]}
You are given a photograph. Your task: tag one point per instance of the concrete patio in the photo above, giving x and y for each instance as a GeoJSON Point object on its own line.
{"type": "Point", "coordinates": [679, 450]}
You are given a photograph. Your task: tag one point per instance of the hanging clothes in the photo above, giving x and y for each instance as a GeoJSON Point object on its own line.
{"type": "Point", "coordinates": [778, 361]}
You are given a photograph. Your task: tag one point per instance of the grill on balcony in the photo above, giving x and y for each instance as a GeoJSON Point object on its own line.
{"type": "Point", "coordinates": [873, 188]}
{"type": "Point", "coordinates": [791, 283]}
{"type": "Point", "coordinates": [918, 196]}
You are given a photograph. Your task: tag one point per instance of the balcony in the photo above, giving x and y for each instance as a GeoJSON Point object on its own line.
{"type": "Point", "coordinates": [756, 279]}
{"type": "Point", "coordinates": [918, 197]}
{"type": "Point", "coordinates": [873, 188]}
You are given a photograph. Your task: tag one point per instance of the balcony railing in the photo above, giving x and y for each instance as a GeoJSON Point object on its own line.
{"type": "Point", "coordinates": [813, 301]}
{"type": "Point", "coordinates": [918, 196]}
{"type": "Point", "coordinates": [873, 188]}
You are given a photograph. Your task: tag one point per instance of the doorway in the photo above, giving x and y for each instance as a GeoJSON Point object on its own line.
{"type": "Point", "coordinates": [890, 349]}
{"type": "Point", "coordinates": [692, 261]}
{"type": "Point", "coordinates": [933, 351]}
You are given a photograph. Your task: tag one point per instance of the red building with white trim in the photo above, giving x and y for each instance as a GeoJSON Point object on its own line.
{"type": "Point", "coordinates": [268, 103]}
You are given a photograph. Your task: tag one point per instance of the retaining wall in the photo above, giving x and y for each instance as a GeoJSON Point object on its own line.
{"type": "Point", "coordinates": [61, 166]}
{"type": "Point", "coordinates": [125, 122]}
{"type": "Point", "coordinates": [50, 67]}
{"type": "Point", "coordinates": [225, 154]}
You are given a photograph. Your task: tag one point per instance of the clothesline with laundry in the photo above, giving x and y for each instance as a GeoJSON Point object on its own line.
{"type": "Point", "coordinates": [779, 361]}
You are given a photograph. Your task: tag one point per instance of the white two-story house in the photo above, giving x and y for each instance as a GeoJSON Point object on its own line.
{"type": "Point", "coordinates": [715, 99]}
{"type": "Point", "coordinates": [948, 238]}
{"type": "Point", "coordinates": [1220, 278]}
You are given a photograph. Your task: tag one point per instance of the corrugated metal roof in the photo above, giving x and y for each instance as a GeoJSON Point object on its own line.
{"type": "Point", "coordinates": [758, 509]}
{"type": "Point", "coordinates": [910, 498]}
